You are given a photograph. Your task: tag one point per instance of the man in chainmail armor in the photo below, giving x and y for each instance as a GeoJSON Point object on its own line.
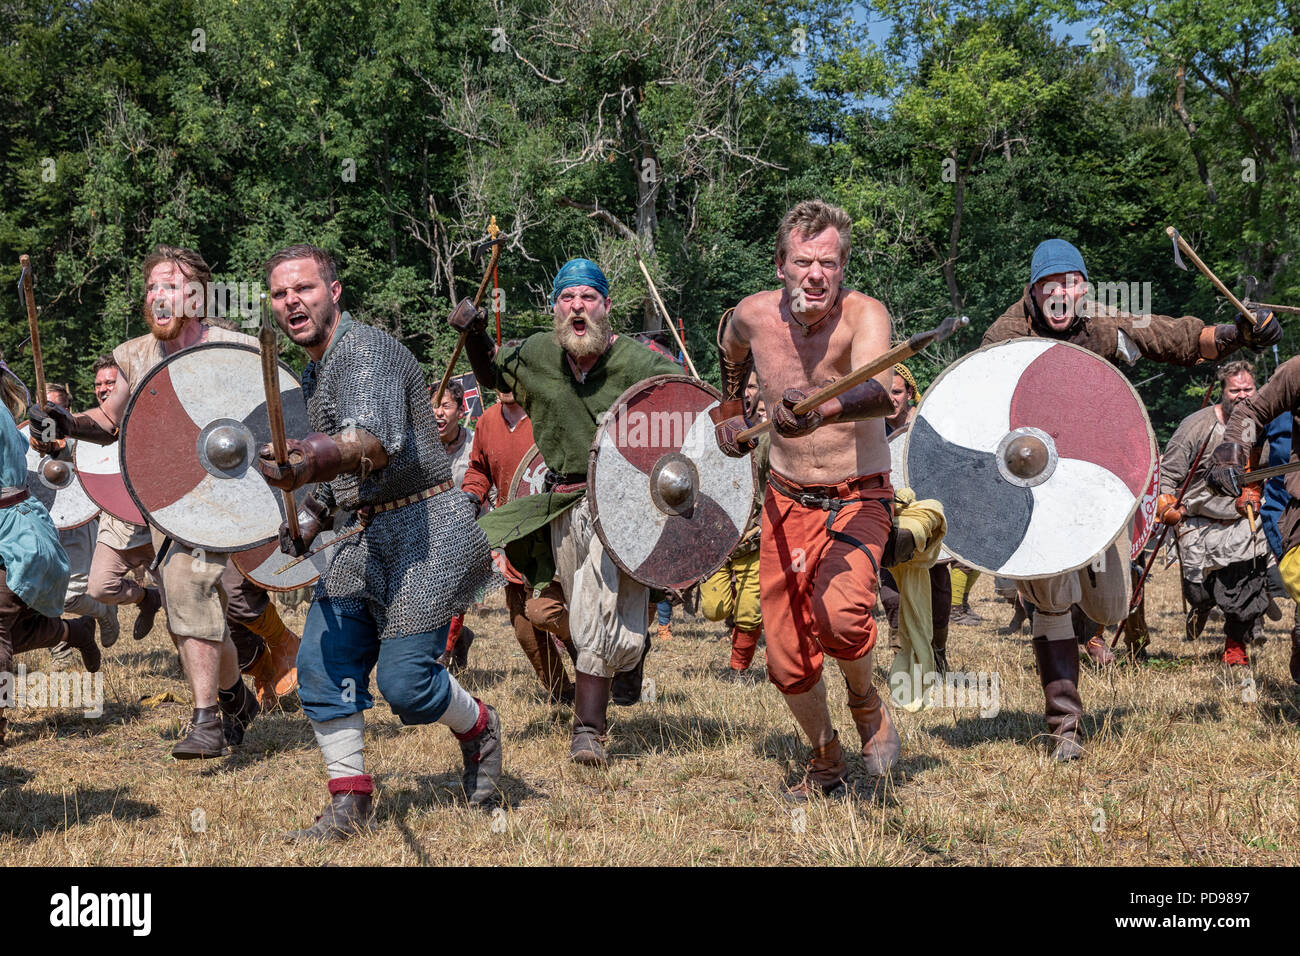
{"type": "Point", "coordinates": [389, 592]}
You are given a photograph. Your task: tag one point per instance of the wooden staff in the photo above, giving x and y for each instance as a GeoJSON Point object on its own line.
{"type": "Point", "coordinates": [1288, 309]}
{"type": "Point", "coordinates": [38, 361]}
{"type": "Point", "coordinates": [898, 353]}
{"type": "Point", "coordinates": [275, 409]}
{"type": "Point", "coordinates": [494, 231]}
{"type": "Point", "coordinates": [668, 319]}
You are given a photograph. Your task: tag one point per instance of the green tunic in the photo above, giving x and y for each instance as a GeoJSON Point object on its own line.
{"type": "Point", "coordinates": [565, 413]}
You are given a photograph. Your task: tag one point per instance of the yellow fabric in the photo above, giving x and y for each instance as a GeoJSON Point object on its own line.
{"type": "Point", "coordinates": [963, 579]}
{"type": "Point", "coordinates": [1290, 568]}
{"type": "Point", "coordinates": [926, 522]}
{"type": "Point", "coordinates": [719, 600]}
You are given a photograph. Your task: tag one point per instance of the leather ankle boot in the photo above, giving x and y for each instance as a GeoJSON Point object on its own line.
{"type": "Point", "coordinates": [591, 702]}
{"type": "Point", "coordinates": [939, 644]}
{"type": "Point", "coordinates": [238, 708]}
{"type": "Point", "coordinates": [824, 773]}
{"type": "Point", "coordinates": [480, 751]}
{"type": "Point", "coordinates": [1295, 654]}
{"type": "Point", "coordinates": [149, 607]}
{"type": "Point", "coordinates": [81, 635]}
{"type": "Point", "coordinates": [880, 743]}
{"type": "Point", "coordinates": [347, 813]}
{"type": "Point", "coordinates": [1058, 671]}
{"type": "Point", "coordinates": [206, 739]}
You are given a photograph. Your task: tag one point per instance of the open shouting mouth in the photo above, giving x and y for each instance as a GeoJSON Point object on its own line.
{"type": "Point", "coordinates": [299, 322]}
{"type": "Point", "coordinates": [579, 325]}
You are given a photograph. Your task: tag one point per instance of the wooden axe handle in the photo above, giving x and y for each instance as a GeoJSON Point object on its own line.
{"type": "Point", "coordinates": [1205, 271]}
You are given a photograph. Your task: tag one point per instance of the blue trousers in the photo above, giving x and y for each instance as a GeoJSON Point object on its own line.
{"type": "Point", "coordinates": [340, 647]}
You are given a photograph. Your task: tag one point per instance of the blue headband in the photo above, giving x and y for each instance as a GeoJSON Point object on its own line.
{"type": "Point", "coordinates": [579, 272]}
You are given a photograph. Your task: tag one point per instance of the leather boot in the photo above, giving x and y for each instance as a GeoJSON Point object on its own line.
{"type": "Point", "coordinates": [1018, 619]}
{"type": "Point", "coordinates": [282, 644]}
{"type": "Point", "coordinates": [591, 702]}
{"type": "Point", "coordinates": [1196, 618]}
{"type": "Point", "coordinates": [347, 813]}
{"type": "Point", "coordinates": [939, 645]}
{"type": "Point", "coordinates": [1099, 651]}
{"type": "Point", "coordinates": [880, 743]}
{"type": "Point", "coordinates": [824, 774]}
{"type": "Point", "coordinates": [149, 607]}
{"type": "Point", "coordinates": [1295, 653]}
{"type": "Point", "coordinates": [81, 635]}
{"type": "Point", "coordinates": [626, 688]}
{"type": "Point", "coordinates": [206, 739]}
{"type": "Point", "coordinates": [238, 708]}
{"type": "Point", "coordinates": [480, 749]}
{"type": "Point", "coordinates": [1058, 672]}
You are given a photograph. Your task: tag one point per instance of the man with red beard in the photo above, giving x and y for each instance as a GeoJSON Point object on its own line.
{"type": "Point", "coordinates": [566, 380]}
{"type": "Point", "coordinates": [174, 279]}
{"type": "Point", "coordinates": [826, 515]}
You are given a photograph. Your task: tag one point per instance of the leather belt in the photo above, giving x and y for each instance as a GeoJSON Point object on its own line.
{"type": "Point", "coordinates": [821, 497]}
{"type": "Point", "coordinates": [11, 496]}
{"type": "Point", "coordinates": [562, 483]}
{"type": "Point", "coordinates": [367, 513]}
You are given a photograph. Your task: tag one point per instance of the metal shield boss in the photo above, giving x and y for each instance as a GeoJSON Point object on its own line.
{"type": "Point", "coordinates": [668, 505]}
{"type": "Point", "coordinates": [52, 480]}
{"type": "Point", "coordinates": [189, 441]}
{"type": "Point", "coordinates": [1040, 451]}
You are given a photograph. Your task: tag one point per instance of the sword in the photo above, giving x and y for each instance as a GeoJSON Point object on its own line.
{"type": "Point", "coordinates": [29, 297]}
{"type": "Point", "coordinates": [317, 550]}
{"type": "Point", "coordinates": [495, 242]}
{"type": "Point", "coordinates": [274, 409]}
{"type": "Point", "coordinates": [898, 353]}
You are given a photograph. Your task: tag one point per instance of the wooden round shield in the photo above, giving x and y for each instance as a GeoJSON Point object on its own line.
{"type": "Point", "coordinates": [529, 477]}
{"type": "Point", "coordinates": [100, 469]}
{"type": "Point", "coordinates": [1040, 452]}
{"type": "Point", "coordinates": [189, 439]}
{"type": "Point", "coordinates": [1144, 519]}
{"type": "Point", "coordinates": [263, 565]}
{"type": "Point", "coordinates": [52, 481]}
{"type": "Point", "coordinates": [668, 505]}
{"type": "Point", "coordinates": [897, 470]}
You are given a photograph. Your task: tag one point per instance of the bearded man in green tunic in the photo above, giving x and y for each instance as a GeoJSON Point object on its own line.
{"type": "Point", "coordinates": [567, 380]}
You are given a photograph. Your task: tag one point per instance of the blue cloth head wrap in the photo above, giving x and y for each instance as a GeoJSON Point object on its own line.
{"type": "Point", "coordinates": [579, 272]}
{"type": "Point", "coordinates": [1055, 257]}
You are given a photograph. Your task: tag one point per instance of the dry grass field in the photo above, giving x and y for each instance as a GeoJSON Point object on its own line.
{"type": "Point", "coordinates": [1180, 770]}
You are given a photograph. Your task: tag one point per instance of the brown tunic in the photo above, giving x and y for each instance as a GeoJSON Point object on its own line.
{"type": "Point", "coordinates": [1115, 336]}
{"type": "Point", "coordinates": [1250, 421]}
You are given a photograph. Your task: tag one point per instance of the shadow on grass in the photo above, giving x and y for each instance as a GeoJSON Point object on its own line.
{"type": "Point", "coordinates": [640, 734]}
{"type": "Point", "coordinates": [792, 751]}
{"type": "Point", "coordinates": [28, 815]}
{"type": "Point", "coordinates": [443, 792]}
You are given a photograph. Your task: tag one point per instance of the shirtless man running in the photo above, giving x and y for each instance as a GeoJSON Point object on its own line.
{"type": "Point", "coordinates": [826, 515]}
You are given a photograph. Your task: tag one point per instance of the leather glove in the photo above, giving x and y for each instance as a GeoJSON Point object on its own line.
{"type": "Point", "coordinates": [49, 423]}
{"type": "Point", "coordinates": [1250, 495]}
{"type": "Point", "coordinates": [1267, 332]}
{"type": "Point", "coordinates": [1168, 511]}
{"type": "Point", "coordinates": [728, 422]}
{"type": "Point", "coordinates": [788, 423]}
{"type": "Point", "coordinates": [1227, 469]}
{"type": "Point", "coordinates": [313, 518]}
{"type": "Point", "coordinates": [466, 318]}
{"type": "Point", "coordinates": [309, 457]}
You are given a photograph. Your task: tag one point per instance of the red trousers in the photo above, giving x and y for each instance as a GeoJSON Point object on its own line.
{"type": "Point", "coordinates": [818, 582]}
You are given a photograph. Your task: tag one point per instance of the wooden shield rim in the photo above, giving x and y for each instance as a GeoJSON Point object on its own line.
{"type": "Point", "coordinates": [126, 419]}
{"type": "Point", "coordinates": [594, 452]}
{"type": "Point", "coordinates": [1137, 499]}
{"type": "Point", "coordinates": [77, 478]}
{"type": "Point", "coordinates": [519, 471]}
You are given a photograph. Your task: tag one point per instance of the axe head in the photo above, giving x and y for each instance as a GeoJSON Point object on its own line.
{"type": "Point", "coordinates": [476, 254]}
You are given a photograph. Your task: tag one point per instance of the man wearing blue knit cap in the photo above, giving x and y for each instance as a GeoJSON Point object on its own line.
{"type": "Point", "coordinates": [1056, 305]}
{"type": "Point", "coordinates": [566, 380]}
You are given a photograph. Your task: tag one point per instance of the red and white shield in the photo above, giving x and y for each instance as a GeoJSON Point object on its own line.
{"type": "Point", "coordinates": [100, 469]}
{"type": "Point", "coordinates": [529, 477]}
{"type": "Point", "coordinates": [267, 566]}
{"type": "Point", "coordinates": [1144, 519]}
{"type": "Point", "coordinates": [189, 439]}
{"type": "Point", "coordinates": [1040, 452]}
{"type": "Point", "coordinates": [52, 481]}
{"type": "Point", "coordinates": [668, 505]}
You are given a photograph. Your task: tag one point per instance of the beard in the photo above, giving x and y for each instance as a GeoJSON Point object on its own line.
{"type": "Point", "coordinates": [310, 337]}
{"type": "Point", "coordinates": [167, 334]}
{"type": "Point", "coordinates": [1227, 405]}
{"type": "Point", "coordinates": [593, 342]}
